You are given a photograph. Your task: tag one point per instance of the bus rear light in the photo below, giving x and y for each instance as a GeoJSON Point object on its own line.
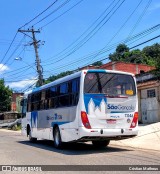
{"type": "Point", "coordinates": [85, 120]}
{"type": "Point", "coordinates": [135, 120]}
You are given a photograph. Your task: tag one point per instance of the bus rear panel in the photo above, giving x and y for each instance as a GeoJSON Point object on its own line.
{"type": "Point", "coordinates": [110, 108]}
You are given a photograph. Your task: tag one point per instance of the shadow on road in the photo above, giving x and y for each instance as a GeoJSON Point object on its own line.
{"type": "Point", "coordinates": [73, 148]}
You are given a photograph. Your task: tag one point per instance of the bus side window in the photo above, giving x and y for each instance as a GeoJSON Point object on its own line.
{"type": "Point", "coordinates": [64, 95]}
{"type": "Point", "coordinates": [75, 92]}
{"type": "Point", "coordinates": [53, 92]}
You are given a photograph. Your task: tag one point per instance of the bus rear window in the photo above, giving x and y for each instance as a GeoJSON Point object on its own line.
{"type": "Point", "coordinates": [110, 84]}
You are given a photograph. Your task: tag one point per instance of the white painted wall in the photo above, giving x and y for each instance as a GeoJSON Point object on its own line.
{"type": "Point", "coordinates": [150, 107]}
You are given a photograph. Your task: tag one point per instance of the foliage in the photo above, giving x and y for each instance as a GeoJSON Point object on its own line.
{"type": "Point", "coordinates": [98, 63]}
{"type": "Point", "coordinates": [53, 78]}
{"type": "Point", "coordinates": [118, 55]}
{"type": "Point", "coordinates": [5, 97]}
{"type": "Point", "coordinates": [149, 55]}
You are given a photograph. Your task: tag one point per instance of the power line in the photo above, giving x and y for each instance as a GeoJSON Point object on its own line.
{"type": "Point", "coordinates": [21, 76]}
{"type": "Point", "coordinates": [137, 45]}
{"type": "Point", "coordinates": [128, 18]}
{"type": "Point", "coordinates": [62, 14]}
{"type": "Point", "coordinates": [67, 1]}
{"type": "Point", "coordinates": [81, 60]}
{"type": "Point", "coordinates": [39, 14]}
{"type": "Point", "coordinates": [84, 31]}
{"type": "Point", "coordinates": [139, 19]}
{"type": "Point", "coordinates": [84, 41]}
{"type": "Point", "coordinates": [91, 34]}
{"type": "Point", "coordinates": [24, 70]}
{"type": "Point", "coordinates": [145, 42]}
{"type": "Point", "coordinates": [142, 34]}
{"type": "Point", "coordinates": [20, 80]}
{"type": "Point", "coordinates": [9, 47]}
{"type": "Point", "coordinates": [94, 31]}
{"type": "Point", "coordinates": [137, 37]}
{"type": "Point", "coordinates": [15, 50]}
{"type": "Point", "coordinates": [29, 87]}
{"type": "Point", "coordinates": [17, 69]}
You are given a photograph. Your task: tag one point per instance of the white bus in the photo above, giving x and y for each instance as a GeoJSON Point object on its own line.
{"type": "Point", "coordinates": [90, 105]}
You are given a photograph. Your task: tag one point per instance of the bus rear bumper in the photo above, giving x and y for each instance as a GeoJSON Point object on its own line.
{"type": "Point", "coordinates": [106, 134]}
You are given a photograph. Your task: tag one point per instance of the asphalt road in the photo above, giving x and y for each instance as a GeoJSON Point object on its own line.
{"type": "Point", "coordinates": [17, 150]}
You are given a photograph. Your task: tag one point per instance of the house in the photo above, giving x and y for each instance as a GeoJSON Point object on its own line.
{"type": "Point", "coordinates": [123, 66]}
{"type": "Point", "coordinates": [14, 101]}
{"type": "Point", "coordinates": [149, 98]}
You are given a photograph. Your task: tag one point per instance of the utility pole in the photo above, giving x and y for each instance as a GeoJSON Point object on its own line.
{"type": "Point", "coordinates": [35, 44]}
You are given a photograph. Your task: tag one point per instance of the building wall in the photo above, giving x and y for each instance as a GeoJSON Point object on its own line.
{"type": "Point", "coordinates": [13, 103]}
{"type": "Point", "coordinates": [18, 104]}
{"type": "Point", "coordinates": [127, 67]}
{"type": "Point", "coordinates": [149, 108]}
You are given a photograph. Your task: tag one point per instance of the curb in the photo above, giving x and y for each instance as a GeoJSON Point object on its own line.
{"type": "Point", "coordinates": [132, 147]}
{"type": "Point", "coordinates": [8, 130]}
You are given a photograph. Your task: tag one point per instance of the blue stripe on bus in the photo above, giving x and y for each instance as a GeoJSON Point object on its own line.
{"type": "Point", "coordinates": [116, 112]}
{"type": "Point", "coordinates": [36, 89]}
{"type": "Point", "coordinates": [34, 117]}
{"type": "Point", "coordinates": [97, 70]}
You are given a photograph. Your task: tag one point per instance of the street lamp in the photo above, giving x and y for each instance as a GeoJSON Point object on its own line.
{"type": "Point", "coordinates": [20, 59]}
{"type": "Point", "coordinates": [39, 71]}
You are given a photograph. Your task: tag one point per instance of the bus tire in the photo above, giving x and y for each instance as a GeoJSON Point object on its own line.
{"type": "Point", "coordinates": [57, 138]}
{"type": "Point", "coordinates": [101, 144]}
{"type": "Point", "coordinates": [31, 139]}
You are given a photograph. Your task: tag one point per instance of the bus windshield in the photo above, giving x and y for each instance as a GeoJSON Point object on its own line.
{"type": "Point", "coordinates": [110, 84]}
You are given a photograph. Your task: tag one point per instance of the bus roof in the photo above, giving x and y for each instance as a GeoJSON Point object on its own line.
{"type": "Point", "coordinates": [75, 75]}
{"type": "Point", "coordinates": [58, 81]}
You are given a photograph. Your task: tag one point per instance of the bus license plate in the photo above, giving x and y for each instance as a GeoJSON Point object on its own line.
{"type": "Point", "coordinates": [111, 121]}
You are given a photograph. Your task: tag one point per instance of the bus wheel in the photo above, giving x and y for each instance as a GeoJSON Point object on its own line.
{"type": "Point", "coordinates": [103, 143]}
{"type": "Point", "coordinates": [31, 139]}
{"type": "Point", "coordinates": [57, 138]}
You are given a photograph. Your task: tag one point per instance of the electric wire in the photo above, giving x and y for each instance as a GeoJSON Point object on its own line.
{"type": "Point", "coordinates": [20, 80]}
{"type": "Point", "coordinates": [139, 19]}
{"type": "Point", "coordinates": [129, 48]}
{"type": "Point", "coordinates": [14, 51]}
{"type": "Point", "coordinates": [122, 26]}
{"type": "Point", "coordinates": [9, 47]}
{"type": "Point", "coordinates": [143, 33]}
{"type": "Point", "coordinates": [31, 86]}
{"type": "Point", "coordinates": [83, 32]}
{"type": "Point", "coordinates": [61, 14]}
{"type": "Point", "coordinates": [85, 40]}
{"type": "Point", "coordinates": [39, 14]}
{"type": "Point", "coordinates": [89, 36]}
{"type": "Point", "coordinates": [67, 1]}
{"type": "Point", "coordinates": [81, 60]}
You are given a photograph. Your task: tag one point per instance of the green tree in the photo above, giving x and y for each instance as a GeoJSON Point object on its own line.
{"type": "Point", "coordinates": [53, 78]}
{"type": "Point", "coordinates": [150, 55]}
{"type": "Point", "coordinates": [153, 54]}
{"type": "Point", "coordinates": [98, 63]}
{"type": "Point", "coordinates": [5, 97]}
{"type": "Point", "coordinates": [134, 56]}
{"type": "Point", "coordinates": [118, 55]}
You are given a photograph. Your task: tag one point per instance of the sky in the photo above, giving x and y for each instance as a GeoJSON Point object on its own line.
{"type": "Point", "coordinates": [72, 34]}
